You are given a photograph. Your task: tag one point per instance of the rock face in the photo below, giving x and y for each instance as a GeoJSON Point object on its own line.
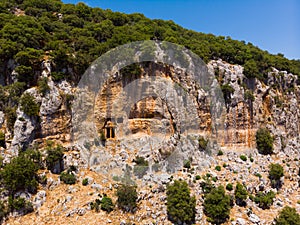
{"type": "Point", "coordinates": [168, 137]}
{"type": "Point", "coordinates": [274, 105]}
{"type": "Point", "coordinates": [151, 125]}
{"type": "Point", "coordinates": [54, 119]}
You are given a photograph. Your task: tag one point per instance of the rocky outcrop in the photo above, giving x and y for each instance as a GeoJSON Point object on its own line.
{"type": "Point", "coordinates": [274, 104]}
{"type": "Point", "coordinates": [54, 120]}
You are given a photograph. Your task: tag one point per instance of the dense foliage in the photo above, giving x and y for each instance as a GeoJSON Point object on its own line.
{"type": "Point", "coordinates": [217, 205]}
{"type": "Point", "coordinates": [127, 197]}
{"type": "Point", "coordinates": [68, 177]}
{"type": "Point", "coordinates": [264, 141]}
{"type": "Point", "coordinates": [275, 173]}
{"type": "Point", "coordinates": [181, 207]}
{"type": "Point", "coordinates": [29, 106]}
{"type": "Point", "coordinates": [20, 174]}
{"type": "Point", "coordinates": [74, 35]}
{"type": "Point", "coordinates": [240, 194]}
{"type": "Point", "coordinates": [54, 158]}
{"type": "Point", "coordinates": [288, 216]}
{"type": "Point", "coordinates": [264, 200]}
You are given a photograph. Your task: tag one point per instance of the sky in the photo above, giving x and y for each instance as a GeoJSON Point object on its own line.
{"type": "Point", "coordinates": [272, 25]}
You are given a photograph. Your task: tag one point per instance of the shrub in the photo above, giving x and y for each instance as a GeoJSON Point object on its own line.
{"type": "Point", "coordinates": [249, 95]}
{"type": "Point", "coordinates": [29, 105]}
{"type": "Point", "coordinates": [288, 216]}
{"type": "Point", "coordinates": [218, 168]}
{"type": "Point", "coordinates": [85, 181]}
{"type": "Point", "coordinates": [240, 195]}
{"type": "Point", "coordinates": [220, 153]}
{"type": "Point", "coordinates": [141, 167]}
{"type": "Point", "coordinates": [264, 141]}
{"type": "Point", "coordinates": [68, 178]}
{"type": "Point", "coordinates": [202, 143]}
{"type": "Point", "coordinates": [243, 157]}
{"type": "Point", "coordinates": [43, 86]}
{"type": "Point", "coordinates": [258, 175]}
{"type": "Point", "coordinates": [197, 177]}
{"type": "Point", "coordinates": [107, 204]}
{"type": "Point", "coordinates": [275, 173]}
{"type": "Point", "coordinates": [187, 164]}
{"type": "Point", "coordinates": [227, 92]}
{"type": "Point", "coordinates": [20, 174]}
{"type": "Point", "coordinates": [141, 161]}
{"type": "Point", "coordinates": [264, 200]}
{"type": "Point", "coordinates": [181, 207]}
{"type": "Point", "coordinates": [2, 139]}
{"type": "Point", "coordinates": [20, 204]}
{"type": "Point", "coordinates": [229, 187]}
{"type": "Point", "coordinates": [127, 197]}
{"type": "Point", "coordinates": [54, 159]}
{"type": "Point", "coordinates": [217, 205]}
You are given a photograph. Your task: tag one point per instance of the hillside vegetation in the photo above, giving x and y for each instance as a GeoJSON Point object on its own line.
{"type": "Point", "coordinates": [75, 35]}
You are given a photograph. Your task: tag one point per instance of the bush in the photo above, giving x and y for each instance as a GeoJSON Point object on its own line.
{"type": "Point", "coordinates": [264, 200]}
{"type": "Point", "coordinates": [68, 178]}
{"type": "Point", "coordinates": [54, 159]}
{"type": "Point", "coordinates": [217, 205]}
{"type": "Point", "coordinates": [187, 164]}
{"type": "Point", "coordinates": [264, 141]}
{"type": "Point", "coordinates": [220, 153]}
{"type": "Point", "coordinates": [202, 143]}
{"type": "Point", "coordinates": [107, 204]}
{"type": "Point", "coordinates": [249, 95]}
{"type": "Point", "coordinates": [197, 177]}
{"type": "Point", "coordinates": [20, 204]}
{"type": "Point", "coordinates": [20, 174]}
{"type": "Point", "coordinates": [141, 167]}
{"type": "Point", "coordinates": [181, 207]}
{"type": "Point", "coordinates": [240, 195]}
{"type": "Point", "coordinates": [85, 181]}
{"type": "Point", "coordinates": [29, 105]}
{"type": "Point", "coordinates": [43, 86]}
{"type": "Point", "coordinates": [229, 187]}
{"type": "Point", "coordinates": [127, 197]}
{"type": "Point", "coordinates": [227, 92]}
{"type": "Point", "coordinates": [2, 139]}
{"type": "Point", "coordinates": [218, 168]}
{"type": "Point", "coordinates": [243, 157]}
{"type": "Point", "coordinates": [288, 216]}
{"type": "Point", "coordinates": [275, 173]}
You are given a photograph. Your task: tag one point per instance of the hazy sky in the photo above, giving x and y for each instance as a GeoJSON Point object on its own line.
{"type": "Point", "coordinates": [272, 25]}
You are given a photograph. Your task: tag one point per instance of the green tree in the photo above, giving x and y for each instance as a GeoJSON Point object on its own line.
{"type": "Point", "coordinates": [68, 177]}
{"type": "Point", "coordinates": [264, 200]}
{"type": "Point", "coordinates": [240, 194]}
{"type": "Point", "coordinates": [288, 216]}
{"type": "Point", "coordinates": [2, 139]}
{"type": "Point", "coordinates": [54, 159]}
{"type": "Point", "coordinates": [107, 204]}
{"type": "Point", "coordinates": [127, 197]}
{"type": "Point", "coordinates": [43, 86]}
{"type": "Point", "coordinates": [181, 207]}
{"type": "Point", "coordinates": [217, 205]}
{"type": "Point", "coordinates": [264, 141]}
{"type": "Point", "coordinates": [20, 174]}
{"type": "Point", "coordinates": [227, 92]}
{"type": "Point", "coordinates": [275, 173]}
{"type": "Point", "coordinates": [29, 106]}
